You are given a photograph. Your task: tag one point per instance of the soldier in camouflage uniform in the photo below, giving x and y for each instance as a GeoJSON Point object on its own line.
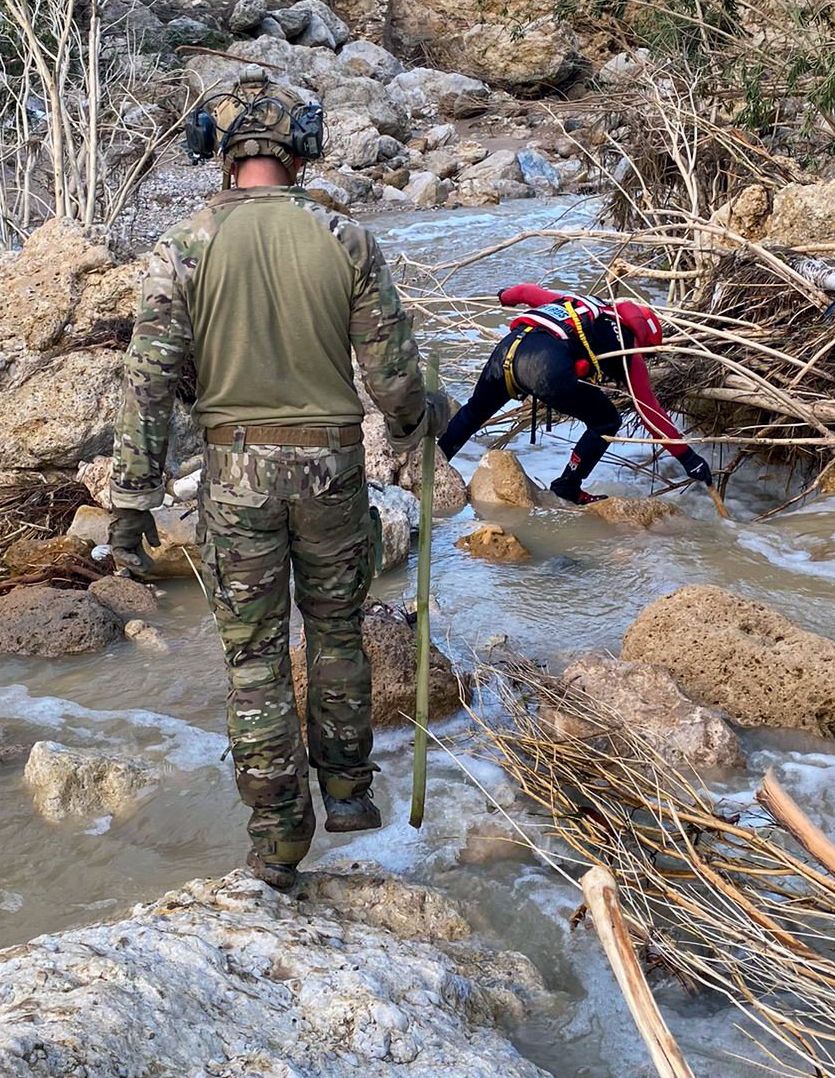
{"type": "Point", "coordinates": [269, 291]}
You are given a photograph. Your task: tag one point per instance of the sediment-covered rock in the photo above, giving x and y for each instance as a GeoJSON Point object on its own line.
{"type": "Point", "coordinates": [639, 512]}
{"type": "Point", "coordinates": [359, 975]}
{"type": "Point", "coordinates": [741, 656]}
{"type": "Point", "coordinates": [146, 636]}
{"type": "Point", "coordinates": [390, 643]}
{"type": "Point", "coordinates": [492, 542]}
{"type": "Point", "coordinates": [82, 782]}
{"type": "Point", "coordinates": [501, 480]}
{"type": "Point", "coordinates": [49, 622]}
{"type": "Point", "coordinates": [26, 555]}
{"type": "Point", "coordinates": [449, 493]}
{"type": "Point", "coordinates": [804, 213]}
{"type": "Point", "coordinates": [645, 698]}
{"type": "Point", "coordinates": [125, 597]}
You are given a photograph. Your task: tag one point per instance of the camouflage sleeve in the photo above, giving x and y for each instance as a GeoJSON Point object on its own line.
{"type": "Point", "coordinates": [381, 333]}
{"type": "Point", "coordinates": [160, 343]}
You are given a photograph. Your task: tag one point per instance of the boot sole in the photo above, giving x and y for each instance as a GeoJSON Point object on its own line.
{"type": "Point", "coordinates": [344, 827]}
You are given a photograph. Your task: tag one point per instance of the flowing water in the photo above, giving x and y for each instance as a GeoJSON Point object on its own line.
{"type": "Point", "coordinates": [583, 586]}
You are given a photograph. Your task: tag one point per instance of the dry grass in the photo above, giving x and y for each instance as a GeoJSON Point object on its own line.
{"type": "Point", "coordinates": [38, 509]}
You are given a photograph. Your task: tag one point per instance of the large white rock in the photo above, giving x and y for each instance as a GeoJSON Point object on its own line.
{"type": "Point", "coordinates": [228, 978]}
{"type": "Point", "coordinates": [373, 61]}
{"type": "Point", "coordinates": [397, 509]}
{"type": "Point", "coordinates": [388, 112]}
{"type": "Point", "coordinates": [497, 176]}
{"type": "Point", "coordinates": [354, 140]}
{"type": "Point", "coordinates": [428, 90]}
{"type": "Point", "coordinates": [426, 189]}
{"type": "Point", "coordinates": [82, 782]}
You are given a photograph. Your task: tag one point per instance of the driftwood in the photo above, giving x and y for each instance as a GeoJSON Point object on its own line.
{"type": "Point", "coordinates": [787, 812]}
{"type": "Point", "coordinates": [601, 895]}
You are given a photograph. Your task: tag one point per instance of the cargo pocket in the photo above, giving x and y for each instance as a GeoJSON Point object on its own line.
{"type": "Point", "coordinates": [244, 497]}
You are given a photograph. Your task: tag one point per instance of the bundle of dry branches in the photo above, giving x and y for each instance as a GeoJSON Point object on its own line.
{"type": "Point", "coordinates": [725, 899]}
{"type": "Point", "coordinates": [38, 509]}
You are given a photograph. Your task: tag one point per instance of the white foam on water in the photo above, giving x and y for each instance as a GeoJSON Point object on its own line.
{"type": "Point", "coordinates": [10, 901]}
{"type": "Point", "coordinates": [184, 746]}
{"type": "Point", "coordinates": [99, 826]}
{"type": "Point", "coordinates": [786, 552]}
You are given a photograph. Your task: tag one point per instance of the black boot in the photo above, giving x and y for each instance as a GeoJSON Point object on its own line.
{"type": "Point", "coordinates": [568, 488]}
{"type": "Point", "coordinates": [280, 876]}
{"type": "Point", "coordinates": [357, 813]}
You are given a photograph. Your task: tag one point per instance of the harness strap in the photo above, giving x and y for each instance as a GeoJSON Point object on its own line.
{"type": "Point", "coordinates": [577, 322]}
{"type": "Point", "coordinates": [514, 391]}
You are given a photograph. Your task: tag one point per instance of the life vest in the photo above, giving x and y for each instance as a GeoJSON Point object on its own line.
{"type": "Point", "coordinates": [573, 319]}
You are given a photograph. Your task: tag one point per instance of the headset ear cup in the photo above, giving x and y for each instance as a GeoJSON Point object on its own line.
{"type": "Point", "coordinates": [201, 134]}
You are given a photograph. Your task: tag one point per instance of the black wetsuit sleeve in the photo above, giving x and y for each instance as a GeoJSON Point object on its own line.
{"type": "Point", "coordinates": [489, 395]}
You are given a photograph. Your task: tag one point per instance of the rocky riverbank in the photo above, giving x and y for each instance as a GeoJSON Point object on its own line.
{"type": "Point", "coordinates": [357, 975]}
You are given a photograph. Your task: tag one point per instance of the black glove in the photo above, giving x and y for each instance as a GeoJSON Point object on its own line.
{"type": "Point", "coordinates": [127, 530]}
{"type": "Point", "coordinates": [438, 414]}
{"type": "Point", "coordinates": [696, 467]}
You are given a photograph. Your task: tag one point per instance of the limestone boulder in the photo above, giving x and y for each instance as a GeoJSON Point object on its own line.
{"type": "Point", "coordinates": [368, 19]}
{"type": "Point", "coordinates": [429, 91]}
{"type": "Point", "coordinates": [644, 698]}
{"type": "Point", "coordinates": [493, 543]}
{"type": "Point", "coordinates": [247, 16]}
{"type": "Point", "coordinates": [390, 643]}
{"type": "Point", "coordinates": [356, 974]}
{"type": "Point", "coordinates": [426, 190]}
{"type": "Point", "coordinates": [303, 23]}
{"type": "Point", "coordinates": [146, 636]}
{"type": "Point", "coordinates": [399, 514]}
{"type": "Point", "coordinates": [83, 782]}
{"type": "Point", "coordinates": [635, 512]}
{"type": "Point", "coordinates": [364, 58]}
{"type": "Point", "coordinates": [96, 475]}
{"type": "Point", "coordinates": [501, 480]}
{"type": "Point", "coordinates": [125, 597]}
{"type": "Point", "coordinates": [177, 528]}
{"type": "Point", "coordinates": [49, 622]}
{"type": "Point", "coordinates": [387, 110]}
{"type": "Point", "coordinates": [66, 316]}
{"type": "Point", "coordinates": [746, 214]}
{"type": "Point", "coordinates": [498, 176]}
{"type": "Point", "coordinates": [450, 490]}
{"type": "Point", "coordinates": [741, 656]}
{"type": "Point", "coordinates": [354, 139]}
{"type": "Point", "coordinates": [538, 172]}
{"type": "Point", "coordinates": [205, 69]}
{"type": "Point", "coordinates": [803, 214]}
{"type": "Point", "coordinates": [543, 56]}
{"type": "Point", "coordinates": [623, 67]}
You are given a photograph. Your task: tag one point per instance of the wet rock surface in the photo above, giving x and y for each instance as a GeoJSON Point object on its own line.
{"type": "Point", "coordinates": [50, 622]}
{"type": "Point", "coordinates": [177, 528]}
{"type": "Point", "coordinates": [390, 643]}
{"type": "Point", "coordinates": [27, 555]}
{"type": "Point", "coordinates": [645, 698]}
{"type": "Point", "coordinates": [741, 656]}
{"type": "Point", "coordinates": [493, 543]}
{"type": "Point", "coordinates": [125, 597]}
{"type": "Point", "coordinates": [501, 480]}
{"type": "Point", "coordinates": [340, 978]}
{"type": "Point", "coordinates": [67, 781]}
{"type": "Point", "coordinates": [639, 512]}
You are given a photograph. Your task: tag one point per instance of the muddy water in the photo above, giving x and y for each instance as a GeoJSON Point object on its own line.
{"type": "Point", "coordinates": [585, 583]}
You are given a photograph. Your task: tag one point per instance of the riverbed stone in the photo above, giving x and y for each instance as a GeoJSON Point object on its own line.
{"type": "Point", "coordinates": [396, 517]}
{"type": "Point", "coordinates": [49, 622]}
{"type": "Point", "coordinates": [493, 543]}
{"type": "Point", "coordinates": [429, 91]}
{"type": "Point", "coordinates": [644, 698]}
{"type": "Point", "coordinates": [84, 782]}
{"type": "Point", "coordinates": [742, 656]}
{"type": "Point", "coordinates": [370, 60]}
{"type": "Point", "coordinates": [177, 528]}
{"type": "Point", "coordinates": [238, 980]}
{"type": "Point", "coordinates": [96, 474]}
{"type": "Point", "coordinates": [247, 16]}
{"type": "Point", "coordinates": [637, 512]}
{"type": "Point", "coordinates": [500, 479]}
{"type": "Point", "coordinates": [449, 493]}
{"type": "Point", "coordinates": [390, 643]}
{"type": "Point", "coordinates": [803, 214]}
{"type": "Point", "coordinates": [127, 598]}
{"type": "Point", "coordinates": [146, 636]}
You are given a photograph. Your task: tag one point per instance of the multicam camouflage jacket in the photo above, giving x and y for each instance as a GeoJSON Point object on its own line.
{"type": "Point", "coordinates": [269, 291]}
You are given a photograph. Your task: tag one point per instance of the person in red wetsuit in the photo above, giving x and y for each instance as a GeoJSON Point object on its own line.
{"type": "Point", "coordinates": [551, 353]}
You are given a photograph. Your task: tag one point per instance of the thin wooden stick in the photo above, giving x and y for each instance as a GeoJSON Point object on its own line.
{"type": "Point", "coordinates": [601, 894]}
{"type": "Point", "coordinates": [427, 489]}
{"type": "Point", "coordinates": [787, 812]}
{"type": "Point", "coordinates": [716, 498]}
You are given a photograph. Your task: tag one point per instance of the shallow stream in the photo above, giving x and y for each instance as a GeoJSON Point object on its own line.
{"type": "Point", "coordinates": [584, 585]}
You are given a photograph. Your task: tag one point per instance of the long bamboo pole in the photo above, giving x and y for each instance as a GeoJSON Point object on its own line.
{"type": "Point", "coordinates": [600, 891]}
{"type": "Point", "coordinates": [427, 490]}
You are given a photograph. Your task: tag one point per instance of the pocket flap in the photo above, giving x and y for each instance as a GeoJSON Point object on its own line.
{"type": "Point", "coordinates": [229, 494]}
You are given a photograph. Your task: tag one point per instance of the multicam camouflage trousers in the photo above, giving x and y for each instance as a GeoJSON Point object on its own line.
{"type": "Point", "coordinates": [262, 511]}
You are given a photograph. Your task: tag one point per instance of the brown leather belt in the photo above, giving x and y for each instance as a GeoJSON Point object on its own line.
{"type": "Point", "coordinates": [309, 437]}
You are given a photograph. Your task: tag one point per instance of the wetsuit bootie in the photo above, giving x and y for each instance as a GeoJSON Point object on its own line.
{"type": "Point", "coordinates": [280, 876]}
{"type": "Point", "coordinates": [351, 813]}
{"type": "Point", "coordinates": [568, 488]}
